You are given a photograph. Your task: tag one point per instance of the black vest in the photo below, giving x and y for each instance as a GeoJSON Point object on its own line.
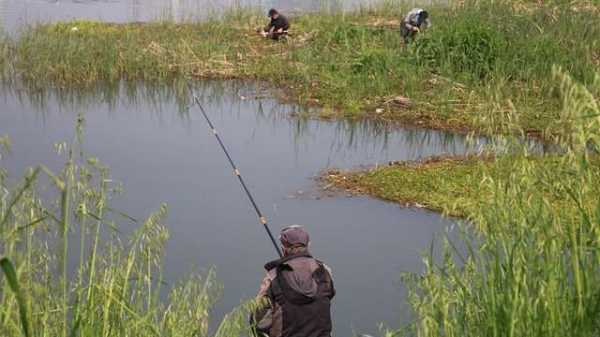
{"type": "Point", "coordinates": [303, 316]}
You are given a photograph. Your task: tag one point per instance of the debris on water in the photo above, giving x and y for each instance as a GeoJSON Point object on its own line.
{"type": "Point", "coordinates": [328, 186]}
{"type": "Point", "coordinates": [300, 194]}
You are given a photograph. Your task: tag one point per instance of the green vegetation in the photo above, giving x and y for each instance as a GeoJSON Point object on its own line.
{"type": "Point", "coordinates": [530, 262]}
{"type": "Point", "coordinates": [66, 271]}
{"type": "Point", "coordinates": [477, 60]}
{"type": "Point", "coordinates": [530, 267]}
{"type": "Point", "coordinates": [440, 184]}
{"type": "Point", "coordinates": [534, 270]}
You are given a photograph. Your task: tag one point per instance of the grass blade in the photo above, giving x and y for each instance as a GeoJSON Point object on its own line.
{"type": "Point", "coordinates": [11, 276]}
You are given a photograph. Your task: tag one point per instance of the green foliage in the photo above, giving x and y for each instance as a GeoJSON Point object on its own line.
{"type": "Point", "coordinates": [529, 265]}
{"type": "Point", "coordinates": [469, 47]}
{"type": "Point", "coordinates": [116, 285]}
{"type": "Point", "coordinates": [439, 184]}
{"type": "Point", "coordinates": [11, 278]}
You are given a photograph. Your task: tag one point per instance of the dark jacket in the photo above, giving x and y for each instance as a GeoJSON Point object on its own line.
{"type": "Point", "coordinates": [299, 290]}
{"type": "Point", "coordinates": [280, 23]}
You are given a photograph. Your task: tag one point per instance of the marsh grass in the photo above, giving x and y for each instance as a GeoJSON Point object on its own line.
{"type": "Point", "coordinates": [68, 270]}
{"type": "Point", "coordinates": [530, 267]}
{"type": "Point", "coordinates": [476, 55]}
{"type": "Point", "coordinates": [535, 271]}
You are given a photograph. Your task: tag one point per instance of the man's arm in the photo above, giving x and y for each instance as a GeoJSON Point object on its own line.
{"type": "Point", "coordinates": [269, 27]}
{"type": "Point", "coordinates": [408, 25]}
{"type": "Point", "coordinates": [427, 23]}
{"type": "Point", "coordinates": [262, 317]}
{"type": "Point", "coordinates": [264, 286]}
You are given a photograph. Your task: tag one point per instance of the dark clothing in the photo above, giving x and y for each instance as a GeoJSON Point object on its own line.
{"type": "Point", "coordinates": [276, 24]}
{"type": "Point", "coordinates": [277, 35]}
{"type": "Point", "coordinates": [299, 292]}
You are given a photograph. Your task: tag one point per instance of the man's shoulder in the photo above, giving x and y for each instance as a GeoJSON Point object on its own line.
{"type": "Point", "coordinates": [328, 268]}
{"type": "Point", "coordinates": [271, 274]}
{"type": "Point", "coordinates": [413, 13]}
{"type": "Point", "coordinates": [282, 19]}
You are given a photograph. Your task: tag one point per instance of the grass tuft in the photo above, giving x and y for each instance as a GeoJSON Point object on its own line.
{"type": "Point", "coordinates": [78, 275]}
{"type": "Point", "coordinates": [529, 266]}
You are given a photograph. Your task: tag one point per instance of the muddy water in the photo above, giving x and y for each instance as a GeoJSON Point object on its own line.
{"type": "Point", "coordinates": [163, 154]}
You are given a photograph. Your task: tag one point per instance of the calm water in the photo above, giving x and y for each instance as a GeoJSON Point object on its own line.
{"type": "Point", "coordinates": [162, 154]}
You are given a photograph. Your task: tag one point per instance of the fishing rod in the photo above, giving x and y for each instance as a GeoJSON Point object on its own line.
{"type": "Point", "coordinates": [236, 171]}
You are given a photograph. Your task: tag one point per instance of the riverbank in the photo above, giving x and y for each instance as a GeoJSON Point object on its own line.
{"type": "Point", "coordinates": [454, 185]}
{"type": "Point", "coordinates": [465, 73]}
{"type": "Point", "coordinates": [528, 261]}
{"type": "Point", "coordinates": [441, 184]}
{"type": "Point", "coordinates": [450, 185]}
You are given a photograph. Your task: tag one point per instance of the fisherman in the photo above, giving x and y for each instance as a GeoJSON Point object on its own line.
{"type": "Point", "coordinates": [278, 26]}
{"type": "Point", "coordinates": [415, 21]}
{"type": "Point", "coordinates": [296, 292]}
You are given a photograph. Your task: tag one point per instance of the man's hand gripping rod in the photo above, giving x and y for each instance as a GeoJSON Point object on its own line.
{"type": "Point", "coordinates": [236, 171]}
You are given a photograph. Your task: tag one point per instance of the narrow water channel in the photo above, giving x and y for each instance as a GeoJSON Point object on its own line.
{"type": "Point", "coordinates": [163, 154]}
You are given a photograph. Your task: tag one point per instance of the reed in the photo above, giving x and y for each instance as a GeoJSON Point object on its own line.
{"type": "Point", "coordinates": [102, 284]}
{"type": "Point", "coordinates": [528, 265]}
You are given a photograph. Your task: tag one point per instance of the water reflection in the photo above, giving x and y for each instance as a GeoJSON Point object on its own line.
{"type": "Point", "coordinates": [348, 135]}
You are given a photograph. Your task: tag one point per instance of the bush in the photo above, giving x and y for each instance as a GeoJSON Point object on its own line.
{"type": "Point", "coordinates": [468, 48]}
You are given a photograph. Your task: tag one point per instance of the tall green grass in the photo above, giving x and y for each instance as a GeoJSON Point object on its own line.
{"type": "Point", "coordinates": [69, 271]}
{"type": "Point", "coordinates": [532, 268]}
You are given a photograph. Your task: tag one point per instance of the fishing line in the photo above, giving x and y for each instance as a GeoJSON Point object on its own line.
{"type": "Point", "coordinates": [236, 171]}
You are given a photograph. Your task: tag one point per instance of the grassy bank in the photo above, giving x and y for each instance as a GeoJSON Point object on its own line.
{"type": "Point", "coordinates": [66, 268]}
{"type": "Point", "coordinates": [439, 184]}
{"type": "Point", "coordinates": [532, 270]}
{"type": "Point", "coordinates": [464, 73]}
{"type": "Point", "coordinates": [452, 185]}
{"type": "Point", "coordinates": [530, 266]}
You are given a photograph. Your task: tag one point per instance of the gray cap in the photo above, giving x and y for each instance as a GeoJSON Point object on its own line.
{"type": "Point", "coordinates": [293, 236]}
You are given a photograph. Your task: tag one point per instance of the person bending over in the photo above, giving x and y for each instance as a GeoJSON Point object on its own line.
{"type": "Point", "coordinates": [415, 21]}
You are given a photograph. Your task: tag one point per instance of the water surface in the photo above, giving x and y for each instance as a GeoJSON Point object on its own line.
{"type": "Point", "coordinates": [163, 154]}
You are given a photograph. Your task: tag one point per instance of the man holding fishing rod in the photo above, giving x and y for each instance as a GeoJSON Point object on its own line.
{"type": "Point", "coordinates": [296, 292]}
{"type": "Point", "coordinates": [298, 288]}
